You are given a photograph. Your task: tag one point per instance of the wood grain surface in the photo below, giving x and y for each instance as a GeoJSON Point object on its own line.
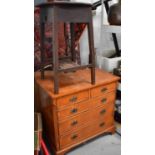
{"type": "Point", "coordinates": [80, 112]}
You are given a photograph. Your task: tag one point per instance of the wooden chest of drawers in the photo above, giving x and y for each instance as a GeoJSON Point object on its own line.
{"type": "Point", "coordinates": [80, 111]}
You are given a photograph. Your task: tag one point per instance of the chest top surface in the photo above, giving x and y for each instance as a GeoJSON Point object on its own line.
{"type": "Point", "coordinates": [72, 82]}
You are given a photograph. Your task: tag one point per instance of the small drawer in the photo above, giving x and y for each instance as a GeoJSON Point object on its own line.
{"type": "Point", "coordinates": [103, 100]}
{"type": "Point", "coordinates": [73, 110]}
{"type": "Point", "coordinates": [74, 123]}
{"type": "Point", "coordinates": [71, 99]}
{"type": "Point", "coordinates": [98, 91]}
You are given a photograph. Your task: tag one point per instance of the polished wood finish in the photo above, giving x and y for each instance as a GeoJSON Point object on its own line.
{"type": "Point", "coordinates": [66, 12]}
{"type": "Point", "coordinates": [71, 99]}
{"type": "Point", "coordinates": [80, 112]}
{"type": "Point", "coordinates": [103, 100]}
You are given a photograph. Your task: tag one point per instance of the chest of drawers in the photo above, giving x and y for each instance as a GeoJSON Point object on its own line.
{"type": "Point", "coordinates": [80, 111]}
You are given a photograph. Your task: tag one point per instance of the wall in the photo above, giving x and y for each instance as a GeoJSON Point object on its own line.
{"type": "Point", "coordinates": [103, 45]}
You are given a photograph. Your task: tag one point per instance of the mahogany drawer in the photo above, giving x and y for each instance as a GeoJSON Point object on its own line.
{"type": "Point", "coordinates": [103, 100]}
{"type": "Point", "coordinates": [74, 123]}
{"type": "Point", "coordinates": [71, 99]}
{"type": "Point", "coordinates": [101, 90]}
{"type": "Point", "coordinates": [73, 110]}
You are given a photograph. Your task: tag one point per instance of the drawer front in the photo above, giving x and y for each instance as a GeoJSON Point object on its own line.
{"type": "Point", "coordinates": [71, 99]}
{"type": "Point", "coordinates": [102, 125]}
{"type": "Point", "coordinates": [75, 123]}
{"type": "Point", "coordinates": [103, 100]}
{"type": "Point", "coordinates": [101, 90]}
{"type": "Point", "coordinates": [73, 110]}
{"type": "Point", "coordinates": [102, 113]}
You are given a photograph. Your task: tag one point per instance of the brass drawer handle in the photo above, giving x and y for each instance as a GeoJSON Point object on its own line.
{"type": "Point", "coordinates": [102, 124]}
{"type": "Point", "coordinates": [74, 123]}
{"type": "Point", "coordinates": [73, 111]}
{"type": "Point", "coordinates": [73, 99]}
{"type": "Point", "coordinates": [103, 100]}
{"type": "Point", "coordinates": [104, 90]}
{"type": "Point", "coordinates": [74, 137]}
{"type": "Point", "coordinates": [102, 111]}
